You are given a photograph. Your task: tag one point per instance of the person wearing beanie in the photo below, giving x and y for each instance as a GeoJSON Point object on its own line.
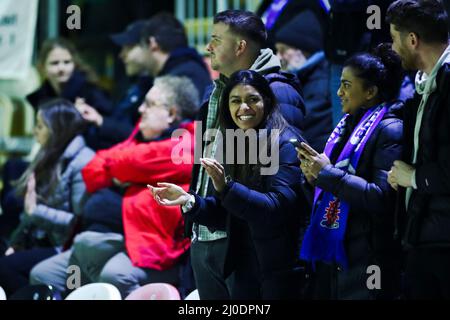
{"type": "Point", "coordinates": [300, 48]}
{"type": "Point", "coordinates": [277, 13]}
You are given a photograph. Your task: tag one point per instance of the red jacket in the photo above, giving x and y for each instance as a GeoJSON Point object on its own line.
{"type": "Point", "coordinates": [153, 233]}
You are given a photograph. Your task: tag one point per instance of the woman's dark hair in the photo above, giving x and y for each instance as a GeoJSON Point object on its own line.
{"type": "Point", "coordinates": [272, 117]}
{"type": "Point", "coordinates": [80, 65]}
{"type": "Point", "coordinates": [248, 174]}
{"type": "Point", "coordinates": [64, 123]}
{"type": "Point", "coordinates": [381, 68]}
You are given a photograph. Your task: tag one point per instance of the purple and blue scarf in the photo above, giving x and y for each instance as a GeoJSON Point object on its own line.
{"type": "Point", "coordinates": [324, 239]}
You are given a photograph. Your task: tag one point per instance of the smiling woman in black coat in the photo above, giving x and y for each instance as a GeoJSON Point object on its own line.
{"type": "Point", "coordinates": [262, 214]}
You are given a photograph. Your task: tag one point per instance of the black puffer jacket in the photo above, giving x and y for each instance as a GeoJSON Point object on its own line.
{"type": "Point", "coordinates": [318, 122]}
{"type": "Point", "coordinates": [187, 62]}
{"type": "Point", "coordinates": [428, 215]}
{"type": "Point", "coordinates": [271, 214]}
{"type": "Point", "coordinates": [289, 95]}
{"type": "Point", "coordinates": [120, 124]}
{"type": "Point", "coordinates": [369, 237]}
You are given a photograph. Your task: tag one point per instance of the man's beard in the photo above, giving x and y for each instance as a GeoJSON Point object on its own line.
{"type": "Point", "coordinates": [408, 61]}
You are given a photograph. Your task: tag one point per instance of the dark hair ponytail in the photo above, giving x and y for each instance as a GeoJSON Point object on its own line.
{"type": "Point", "coordinates": [393, 69]}
{"type": "Point", "coordinates": [381, 68]}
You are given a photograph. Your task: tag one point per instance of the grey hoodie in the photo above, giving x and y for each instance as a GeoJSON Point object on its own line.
{"type": "Point", "coordinates": [266, 63]}
{"type": "Point", "coordinates": [290, 100]}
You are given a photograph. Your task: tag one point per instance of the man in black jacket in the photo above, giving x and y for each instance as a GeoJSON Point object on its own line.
{"type": "Point", "coordinates": [164, 42]}
{"type": "Point", "coordinates": [419, 30]}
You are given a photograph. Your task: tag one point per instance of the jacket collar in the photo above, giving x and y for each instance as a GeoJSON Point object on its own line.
{"type": "Point", "coordinates": [394, 108]}
{"type": "Point", "coordinates": [73, 87]}
{"type": "Point", "coordinates": [266, 62]}
{"type": "Point", "coordinates": [166, 133]}
{"type": "Point", "coordinates": [310, 64]}
{"type": "Point", "coordinates": [74, 147]}
{"type": "Point", "coordinates": [426, 84]}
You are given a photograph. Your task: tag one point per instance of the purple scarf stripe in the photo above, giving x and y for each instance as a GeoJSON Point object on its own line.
{"type": "Point", "coordinates": [324, 239]}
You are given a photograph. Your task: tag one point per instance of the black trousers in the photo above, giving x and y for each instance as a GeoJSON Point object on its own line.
{"type": "Point", "coordinates": [15, 268]}
{"type": "Point", "coordinates": [427, 274]}
{"type": "Point", "coordinates": [102, 212]}
{"type": "Point", "coordinates": [12, 205]}
{"type": "Point", "coordinates": [208, 259]}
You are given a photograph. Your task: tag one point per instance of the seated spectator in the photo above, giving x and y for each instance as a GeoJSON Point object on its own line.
{"type": "Point", "coordinates": [151, 244]}
{"type": "Point", "coordinates": [237, 42]}
{"type": "Point", "coordinates": [54, 193]}
{"type": "Point", "coordinates": [66, 76]}
{"type": "Point", "coordinates": [262, 213]}
{"type": "Point", "coordinates": [166, 49]}
{"type": "Point", "coordinates": [346, 34]}
{"type": "Point", "coordinates": [150, 48]}
{"type": "Point", "coordinates": [277, 13]}
{"type": "Point", "coordinates": [119, 125]}
{"type": "Point", "coordinates": [352, 226]}
{"type": "Point", "coordinates": [300, 48]}
{"type": "Point", "coordinates": [11, 203]}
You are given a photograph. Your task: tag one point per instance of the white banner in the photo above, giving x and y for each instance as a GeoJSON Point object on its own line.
{"type": "Point", "coordinates": [17, 29]}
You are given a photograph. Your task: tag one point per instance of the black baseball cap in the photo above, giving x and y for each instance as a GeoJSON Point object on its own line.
{"type": "Point", "coordinates": [131, 35]}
